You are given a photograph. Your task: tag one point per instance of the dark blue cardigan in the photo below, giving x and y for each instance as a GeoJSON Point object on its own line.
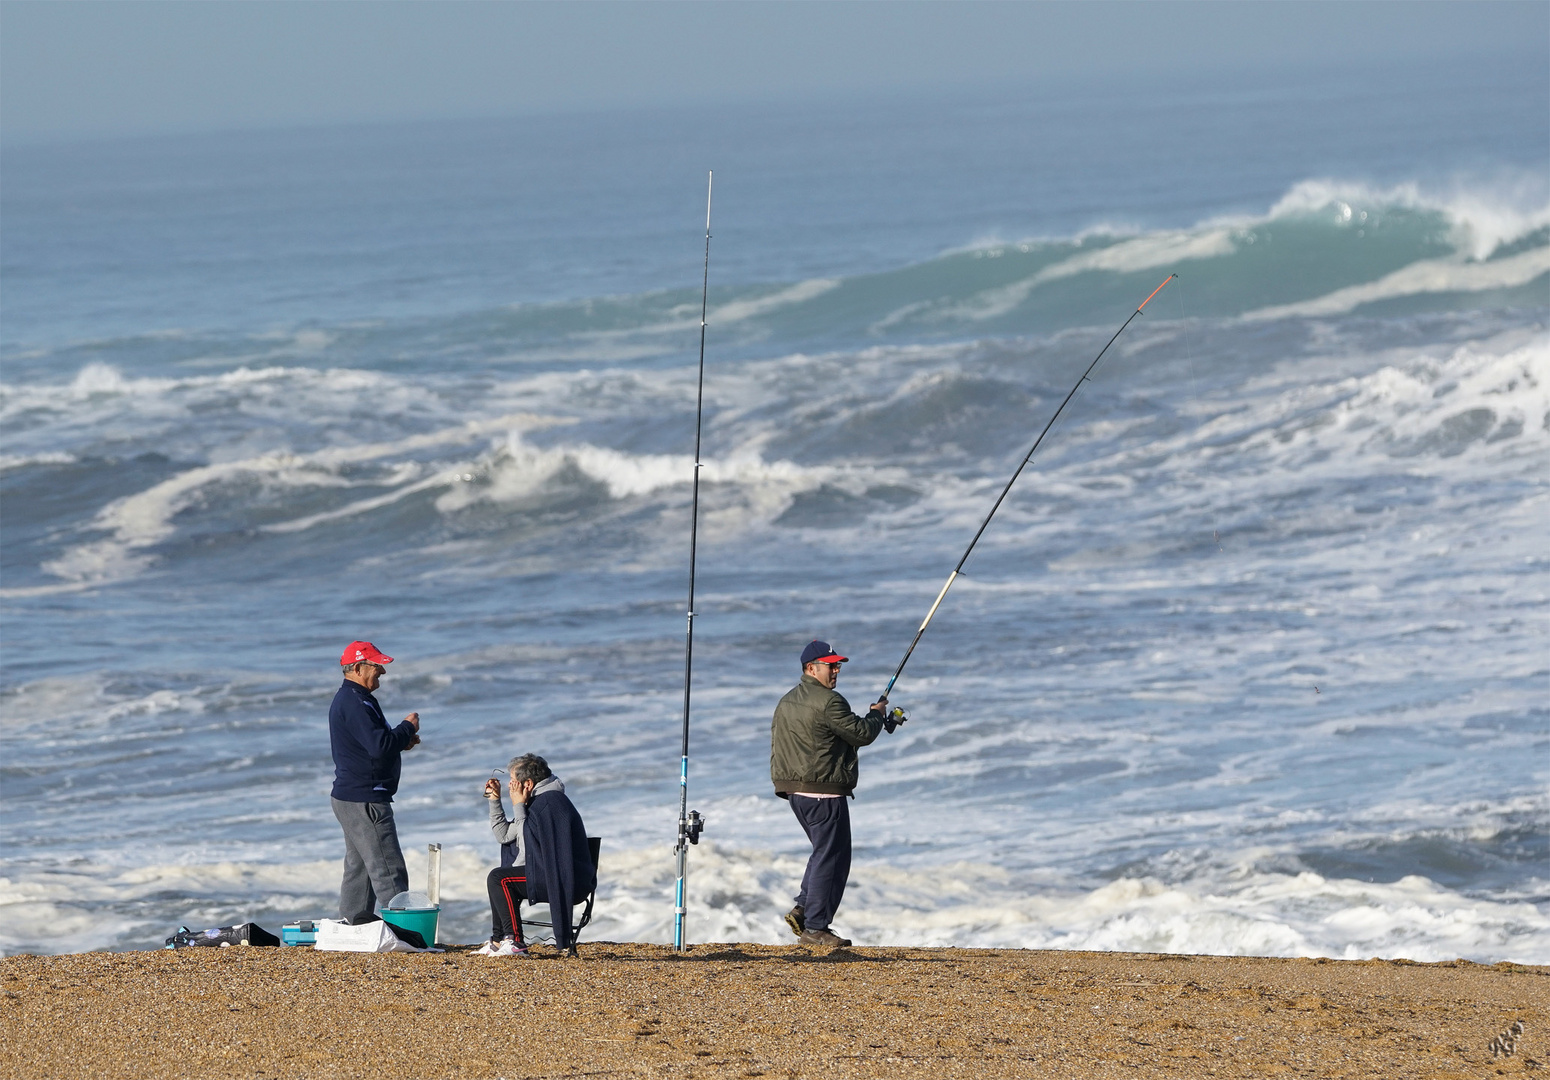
{"type": "Point", "coordinates": [366, 750]}
{"type": "Point", "coordinates": [559, 864]}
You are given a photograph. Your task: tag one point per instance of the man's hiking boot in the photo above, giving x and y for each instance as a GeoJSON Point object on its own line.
{"type": "Point", "coordinates": [826, 939]}
{"type": "Point", "coordinates": [796, 920]}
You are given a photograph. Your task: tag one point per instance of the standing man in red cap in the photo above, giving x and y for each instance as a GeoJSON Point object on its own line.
{"type": "Point", "coordinates": [366, 767]}
{"type": "Point", "coordinates": [813, 742]}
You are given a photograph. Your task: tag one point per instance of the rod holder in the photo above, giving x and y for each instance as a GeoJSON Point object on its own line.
{"type": "Point", "coordinates": [433, 873]}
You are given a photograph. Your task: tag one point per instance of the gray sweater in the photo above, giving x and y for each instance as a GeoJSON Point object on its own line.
{"type": "Point", "coordinates": [510, 831]}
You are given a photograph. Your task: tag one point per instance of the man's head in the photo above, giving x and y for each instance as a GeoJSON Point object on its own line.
{"type": "Point", "coordinates": [364, 663]}
{"type": "Point", "coordinates": [822, 663]}
{"type": "Point", "coordinates": [528, 767]}
{"type": "Point", "coordinates": [526, 773]}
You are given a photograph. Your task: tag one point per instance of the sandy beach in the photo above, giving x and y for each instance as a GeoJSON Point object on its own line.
{"type": "Point", "coordinates": [754, 1010]}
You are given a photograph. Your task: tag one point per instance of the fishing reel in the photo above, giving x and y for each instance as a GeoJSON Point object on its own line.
{"type": "Point", "coordinates": [894, 717]}
{"type": "Point", "coordinates": [689, 829]}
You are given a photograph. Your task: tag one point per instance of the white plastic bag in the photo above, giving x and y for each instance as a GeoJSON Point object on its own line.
{"type": "Point", "coordinates": [335, 936]}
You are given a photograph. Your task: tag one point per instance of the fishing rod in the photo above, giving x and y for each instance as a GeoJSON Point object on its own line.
{"type": "Point", "coordinates": [1000, 498]}
{"type": "Point", "coordinates": [689, 821]}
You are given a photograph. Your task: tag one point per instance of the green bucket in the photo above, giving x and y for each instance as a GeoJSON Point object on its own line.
{"type": "Point", "coordinates": [421, 920]}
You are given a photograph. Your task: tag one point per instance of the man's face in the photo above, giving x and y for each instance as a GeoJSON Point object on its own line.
{"type": "Point", "coordinates": [371, 675]}
{"type": "Point", "coordinates": [825, 672]}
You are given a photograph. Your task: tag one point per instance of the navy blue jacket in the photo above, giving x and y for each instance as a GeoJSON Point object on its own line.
{"type": "Point", "coordinates": [366, 750]}
{"type": "Point", "coordinates": [559, 863]}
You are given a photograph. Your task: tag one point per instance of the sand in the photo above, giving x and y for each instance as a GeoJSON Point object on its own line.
{"type": "Point", "coordinates": [754, 1010]}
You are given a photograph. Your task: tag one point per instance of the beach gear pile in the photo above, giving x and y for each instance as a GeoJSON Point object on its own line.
{"type": "Point", "coordinates": [328, 935]}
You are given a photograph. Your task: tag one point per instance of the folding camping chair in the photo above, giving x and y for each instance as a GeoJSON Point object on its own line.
{"type": "Point", "coordinates": [594, 846]}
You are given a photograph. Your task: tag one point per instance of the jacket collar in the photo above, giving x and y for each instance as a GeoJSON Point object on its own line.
{"type": "Point", "coordinates": [351, 684]}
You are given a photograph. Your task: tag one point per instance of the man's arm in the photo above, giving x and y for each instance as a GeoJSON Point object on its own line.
{"type": "Point", "coordinates": [856, 730]}
{"type": "Point", "coordinates": [506, 830]}
{"type": "Point", "coordinates": [373, 734]}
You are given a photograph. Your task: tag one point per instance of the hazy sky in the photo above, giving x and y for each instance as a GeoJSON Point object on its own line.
{"type": "Point", "coordinates": [126, 67]}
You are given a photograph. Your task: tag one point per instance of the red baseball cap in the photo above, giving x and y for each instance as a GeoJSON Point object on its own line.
{"type": "Point", "coordinates": [362, 651]}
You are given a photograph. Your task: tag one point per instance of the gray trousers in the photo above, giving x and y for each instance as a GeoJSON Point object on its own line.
{"type": "Point", "coordinates": [374, 870]}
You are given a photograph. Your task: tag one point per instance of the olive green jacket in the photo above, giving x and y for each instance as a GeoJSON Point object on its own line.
{"type": "Point", "coordinates": [813, 741]}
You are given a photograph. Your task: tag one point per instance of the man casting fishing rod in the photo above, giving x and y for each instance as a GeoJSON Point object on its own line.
{"type": "Point", "coordinates": [814, 736]}
{"type": "Point", "coordinates": [813, 741]}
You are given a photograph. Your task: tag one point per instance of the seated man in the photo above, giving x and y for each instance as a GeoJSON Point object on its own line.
{"type": "Point", "coordinates": [544, 856]}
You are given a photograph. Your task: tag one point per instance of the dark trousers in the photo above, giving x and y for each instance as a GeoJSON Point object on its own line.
{"type": "Point", "coordinates": [508, 888]}
{"type": "Point", "coordinates": [827, 825]}
{"type": "Point", "coordinates": [374, 870]}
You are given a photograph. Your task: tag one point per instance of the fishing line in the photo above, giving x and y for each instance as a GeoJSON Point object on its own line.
{"type": "Point", "coordinates": [1195, 506]}
{"type": "Point", "coordinates": [1191, 325]}
{"type": "Point", "coordinates": [1194, 444]}
{"type": "Point", "coordinates": [1191, 443]}
{"type": "Point", "coordinates": [689, 821]}
{"type": "Point", "coordinates": [957, 570]}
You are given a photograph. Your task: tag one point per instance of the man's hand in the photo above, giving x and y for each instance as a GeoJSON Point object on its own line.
{"type": "Point", "coordinates": [413, 718]}
{"type": "Point", "coordinates": [414, 740]}
{"type": "Point", "coordinates": [521, 793]}
{"type": "Point", "coordinates": [880, 706]}
{"type": "Point", "coordinates": [492, 788]}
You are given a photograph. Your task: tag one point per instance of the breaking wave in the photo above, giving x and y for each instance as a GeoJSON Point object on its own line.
{"type": "Point", "coordinates": [783, 460]}
{"type": "Point", "coordinates": [1325, 248]}
{"type": "Point", "coordinates": [740, 895]}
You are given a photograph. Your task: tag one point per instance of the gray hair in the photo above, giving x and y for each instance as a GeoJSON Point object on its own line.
{"type": "Point", "coordinates": [529, 767]}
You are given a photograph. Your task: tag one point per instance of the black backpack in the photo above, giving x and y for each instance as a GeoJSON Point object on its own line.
{"type": "Point", "coordinates": [242, 934]}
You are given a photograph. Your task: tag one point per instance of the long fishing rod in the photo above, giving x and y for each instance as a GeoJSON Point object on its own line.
{"type": "Point", "coordinates": [1029, 457]}
{"type": "Point", "coordinates": [689, 822]}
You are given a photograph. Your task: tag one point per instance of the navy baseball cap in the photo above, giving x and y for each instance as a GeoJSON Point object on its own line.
{"type": "Point", "coordinates": [820, 652]}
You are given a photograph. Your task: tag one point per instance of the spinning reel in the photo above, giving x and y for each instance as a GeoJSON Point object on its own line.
{"type": "Point", "coordinates": [689, 829]}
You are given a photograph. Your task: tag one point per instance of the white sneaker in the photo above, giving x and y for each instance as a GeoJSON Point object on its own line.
{"type": "Point", "coordinates": [506, 947]}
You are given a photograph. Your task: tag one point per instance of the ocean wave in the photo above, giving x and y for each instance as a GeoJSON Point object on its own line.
{"type": "Point", "coordinates": [1487, 397]}
{"type": "Point", "coordinates": [1483, 219]}
{"type": "Point", "coordinates": [1121, 257]}
{"type": "Point", "coordinates": [1324, 248]}
{"type": "Point", "coordinates": [9, 462]}
{"type": "Point", "coordinates": [1397, 242]}
{"type": "Point", "coordinates": [512, 476]}
{"type": "Point", "coordinates": [100, 380]}
{"type": "Point", "coordinates": [739, 894]}
{"type": "Point", "coordinates": [102, 412]}
{"type": "Point", "coordinates": [142, 520]}
{"type": "Point", "coordinates": [735, 311]}
{"type": "Point", "coordinates": [1463, 409]}
{"type": "Point", "coordinates": [1229, 906]}
{"type": "Point", "coordinates": [833, 463]}
{"type": "Point", "coordinates": [522, 469]}
{"type": "Point", "coordinates": [1420, 279]}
